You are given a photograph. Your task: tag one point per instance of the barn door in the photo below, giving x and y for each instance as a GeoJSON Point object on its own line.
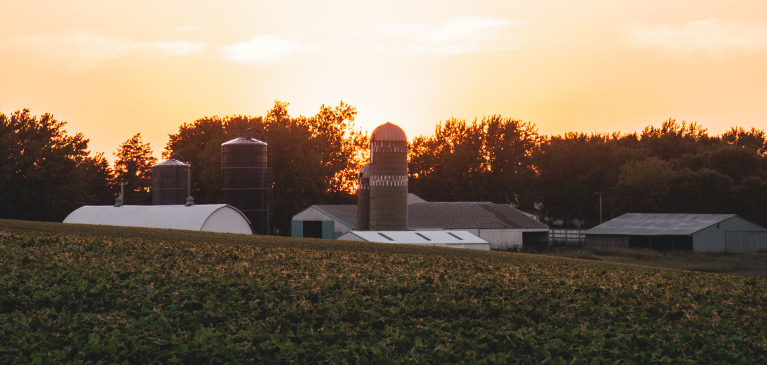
{"type": "Point", "coordinates": [736, 241]}
{"type": "Point", "coordinates": [757, 241]}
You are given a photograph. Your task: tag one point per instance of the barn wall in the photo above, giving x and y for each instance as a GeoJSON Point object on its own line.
{"type": "Point", "coordinates": [606, 241]}
{"type": "Point", "coordinates": [732, 235]}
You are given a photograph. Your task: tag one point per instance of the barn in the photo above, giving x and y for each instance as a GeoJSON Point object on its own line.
{"type": "Point", "coordinates": [503, 226]}
{"type": "Point", "coordinates": [691, 232]}
{"type": "Point", "coordinates": [200, 217]}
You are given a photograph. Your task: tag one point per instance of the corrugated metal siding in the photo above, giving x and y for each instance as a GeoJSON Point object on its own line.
{"type": "Point", "coordinates": [715, 239]}
{"type": "Point", "coordinates": [461, 215]}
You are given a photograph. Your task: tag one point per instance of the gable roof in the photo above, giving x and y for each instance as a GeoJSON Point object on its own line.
{"type": "Point", "coordinates": [654, 224]}
{"type": "Point", "coordinates": [450, 215]}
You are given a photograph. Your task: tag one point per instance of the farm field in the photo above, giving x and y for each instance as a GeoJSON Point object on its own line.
{"type": "Point", "coordinates": [79, 294]}
{"type": "Point", "coordinates": [748, 264]}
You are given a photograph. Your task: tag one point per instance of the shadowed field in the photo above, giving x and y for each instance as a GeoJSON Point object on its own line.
{"type": "Point", "coordinates": [79, 294]}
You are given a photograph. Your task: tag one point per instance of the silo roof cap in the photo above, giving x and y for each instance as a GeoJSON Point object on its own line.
{"type": "Point", "coordinates": [244, 140]}
{"type": "Point", "coordinates": [388, 132]}
{"type": "Point", "coordinates": [171, 162]}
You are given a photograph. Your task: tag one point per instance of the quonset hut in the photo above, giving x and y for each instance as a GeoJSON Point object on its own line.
{"type": "Point", "coordinates": [388, 178]}
{"type": "Point", "coordinates": [204, 217]}
{"type": "Point", "coordinates": [245, 176]}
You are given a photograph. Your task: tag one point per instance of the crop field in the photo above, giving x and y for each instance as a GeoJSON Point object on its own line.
{"type": "Point", "coordinates": [141, 297]}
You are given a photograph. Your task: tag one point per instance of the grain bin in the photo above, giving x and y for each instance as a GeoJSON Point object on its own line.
{"type": "Point", "coordinates": [388, 178]}
{"type": "Point", "coordinates": [170, 182]}
{"type": "Point", "coordinates": [245, 180]}
{"type": "Point", "coordinates": [363, 199]}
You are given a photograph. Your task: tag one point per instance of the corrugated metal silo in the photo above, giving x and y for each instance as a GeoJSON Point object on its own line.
{"type": "Point", "coordinates": [388, 178]}
{"type": "Point", "coordinates": [363, 200]}
{"type": "Point", "coordinates": [170, 182]}
{"type": "Point", "coordinates": [245, 182]}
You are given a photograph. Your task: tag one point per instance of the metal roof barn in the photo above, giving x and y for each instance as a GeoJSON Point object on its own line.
{"type": "Point", "coordinates": [500, 224]}
{"type": "Point", "coordinates": [202, 217]}
{"type": "Point", "coordinates": [453, 239]}
{"type": "Point", "coordinates": [696, 232]}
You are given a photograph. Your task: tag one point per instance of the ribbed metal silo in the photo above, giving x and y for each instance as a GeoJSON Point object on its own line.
{"type": "Point", "coordinates": [245, 184]}
{"type": "Point", "coordinates": [388, 178]}
{"type": "Point", "coordinates": [363, 200]}
{"type": "Point", "coordinates": [170, 182]}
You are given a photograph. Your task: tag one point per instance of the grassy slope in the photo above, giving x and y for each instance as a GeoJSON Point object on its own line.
{"type": "Point", "coordinates": [81, 293]}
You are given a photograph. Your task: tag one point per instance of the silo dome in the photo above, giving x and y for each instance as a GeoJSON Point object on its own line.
{"type": "Point", "coordinates": [388, 132]}
{"type": "Point", "coordinates": [388, 178]}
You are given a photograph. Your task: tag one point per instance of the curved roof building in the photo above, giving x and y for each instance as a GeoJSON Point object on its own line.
{"type": "Point", "coordinates": [203, 217]}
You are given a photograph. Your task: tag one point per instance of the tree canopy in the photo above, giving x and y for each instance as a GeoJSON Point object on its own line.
{"type": "Point", "coordinates": [47, 173]}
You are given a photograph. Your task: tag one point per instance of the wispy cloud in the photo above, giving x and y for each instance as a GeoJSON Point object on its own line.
{"type": "Point", "coordinates": [263, 49]}
{"type": "Point", "coordinates": [458, 35]}
{"type": "Point", "coordinates": [80, 51]}
{"type": "Point", "coordinates": [711, 37]}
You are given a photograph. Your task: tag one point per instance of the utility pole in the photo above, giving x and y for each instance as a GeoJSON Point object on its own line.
{"type": "Point", "coordinates": [122, 192]}
{"type": "Point", "coordinates": [600, 206]}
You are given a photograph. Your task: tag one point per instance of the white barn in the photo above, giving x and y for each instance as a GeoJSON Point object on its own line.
{"type": "Point", "coordinates": [692, 232]}
{"type": "Point", "coordinates": [502, 225]}
{"type": "Point", "coordinates": [203, 217]}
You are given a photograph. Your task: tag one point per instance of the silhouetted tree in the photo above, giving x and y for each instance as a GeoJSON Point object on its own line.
{"type": "Point", "coordinates": [134, 166]}
{"type": "Point", "coordinates": [45, 174]}
{"type": "Point", "coordinates": [312, 160]}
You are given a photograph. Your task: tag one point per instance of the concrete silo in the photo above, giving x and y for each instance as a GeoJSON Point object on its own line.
{"type": "Point", "coordinates": [363, 199]}
{"type": "Point", "coordinates": [245, 180]}
{"type": "Point", "coordinates": [170, 182]}
{"type": "Point", "coordinates": [388, 178]}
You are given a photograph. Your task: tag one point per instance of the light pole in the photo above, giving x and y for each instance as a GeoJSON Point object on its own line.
{"type": "Point", "coordinates": [600, 206]}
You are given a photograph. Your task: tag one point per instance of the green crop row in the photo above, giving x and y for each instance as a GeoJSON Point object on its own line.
{"type": "Point", "coordinates": [76, 299]}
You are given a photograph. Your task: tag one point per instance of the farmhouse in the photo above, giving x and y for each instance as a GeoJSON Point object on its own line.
{"type": "Point", "coordinates": [503, 226]}
{"type": "Point", "coordinates": [694, 232]}
{"type": "Point", "coordinates": [452, 239]}
{"type": "Point", "coordinates": [200, 217]}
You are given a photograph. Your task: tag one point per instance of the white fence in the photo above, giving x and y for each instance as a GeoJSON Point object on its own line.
{"type": "Point", "coordinates": [567, 237]}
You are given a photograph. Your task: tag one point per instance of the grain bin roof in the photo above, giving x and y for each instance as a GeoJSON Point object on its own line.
{"type": "Point", "coordinates": [452, 215]}
{"type": "Point", "coordinates": [171, 162]}
{"type": "Point", "coordinates": [244, 140]}
{"type": "Point", "coordinates": [388, 132]}
{"type": "Point", "coordinates": [201, 217]}
{"type": "Point", "coordinates": [658, 224]}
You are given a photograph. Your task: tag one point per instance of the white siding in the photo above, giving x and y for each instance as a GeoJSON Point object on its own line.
{"type": "Point", "coordinates": [714, 239]}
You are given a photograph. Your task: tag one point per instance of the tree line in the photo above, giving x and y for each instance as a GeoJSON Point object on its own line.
{"type": "Point", "coordinates": [676, 167]}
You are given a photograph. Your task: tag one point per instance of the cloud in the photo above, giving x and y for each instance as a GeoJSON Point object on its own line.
{"type": "Point", "coordinates": [710, 37]}
{"type": "Point", "coordinates": [458, 35]}
{"type": "Point", "coordinates": [178, 48]}
{"type": "Point", "coordinates": [80, 51]}
{"type": "Point", "coordinates": [263, 49]}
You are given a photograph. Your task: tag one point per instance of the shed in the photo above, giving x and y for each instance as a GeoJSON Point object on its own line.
{"type": "Point", "coordinates": [502, 225]}
{"type": "Point", "coordinates": [453, 239]}
{"type": "Point", "coordinates": [202, 217]}
{"type": "Point", "coordinates": [677, 231]}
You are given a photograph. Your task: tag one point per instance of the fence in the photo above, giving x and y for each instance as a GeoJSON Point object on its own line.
{"type": "Point", "coordinates": [567, 237]}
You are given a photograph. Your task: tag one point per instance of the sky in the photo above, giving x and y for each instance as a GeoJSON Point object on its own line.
{"type": "Point", "coordinates": [112, 69]}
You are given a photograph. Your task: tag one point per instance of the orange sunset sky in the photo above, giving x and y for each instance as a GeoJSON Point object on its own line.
{"type": "Point", "coordinates": [115, 68]}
